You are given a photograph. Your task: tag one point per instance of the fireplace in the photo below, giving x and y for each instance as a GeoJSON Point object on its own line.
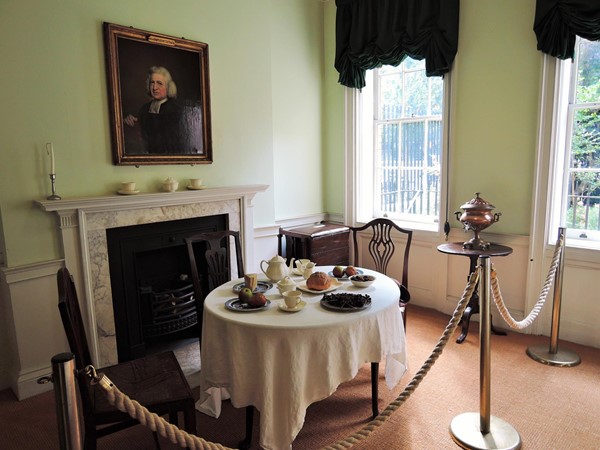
{"type": "Point", "coordinates": [83, 226]}
{"type": "Point", "coordinates": [152, 292]}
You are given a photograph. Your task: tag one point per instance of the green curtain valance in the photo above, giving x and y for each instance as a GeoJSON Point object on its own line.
{"type": "Point", "coordinates": [372, 33]}
{"type": "Point", "coordinates": [558, 22]}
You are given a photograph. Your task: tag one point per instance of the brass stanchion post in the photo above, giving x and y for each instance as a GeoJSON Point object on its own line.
{"type": "Point", "coordinates": [484, 431]}
{"type": "Point", "coordinates": [70, 431]}
{"type": "Point", "coordinates": [552, 355]}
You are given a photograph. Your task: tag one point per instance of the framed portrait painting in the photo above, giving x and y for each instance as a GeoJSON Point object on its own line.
{"type": "Point", "coordinates": [159, 98]}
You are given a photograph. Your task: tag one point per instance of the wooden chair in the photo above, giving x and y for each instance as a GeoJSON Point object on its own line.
{"type": "Point", "coordinates": [381, 249]}
{"type": "Point", "coordinates": [156, 381]}
{"type": "Point", "coordinates": [212, 249]}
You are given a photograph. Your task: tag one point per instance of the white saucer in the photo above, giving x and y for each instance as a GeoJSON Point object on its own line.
{"type": "Point", "coordinates": [122, 192]}
{"type": "Point", "coordinates": [296, 308]}
{"type": "Point", "coordinates": [196, 188]}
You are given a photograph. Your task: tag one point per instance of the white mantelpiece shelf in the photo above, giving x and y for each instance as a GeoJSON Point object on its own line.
{"type": "Point", "coordinates": [158, 199]}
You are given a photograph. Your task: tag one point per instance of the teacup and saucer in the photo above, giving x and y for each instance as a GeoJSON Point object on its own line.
{"type": "Point", "coordinates": [195, 184]}
{"type": "Point", "coordinates": [292, 301]}
{"type": "Point", "coordinates": [128, 188]}
{"type": "Point", "coordinates": [300, 266]}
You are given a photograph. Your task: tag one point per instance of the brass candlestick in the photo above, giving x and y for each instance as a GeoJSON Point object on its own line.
{"type": "Point", "coordinates": [53, 181]}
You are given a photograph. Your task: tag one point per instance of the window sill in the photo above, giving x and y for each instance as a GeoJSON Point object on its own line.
{"type": "Point", "coordinates": [408, 225]}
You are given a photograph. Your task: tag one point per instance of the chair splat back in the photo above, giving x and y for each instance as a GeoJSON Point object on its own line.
{"type": "Point", "coordinates": [381, 245]}
{"type": "Point", "coordinates": [216, 256]}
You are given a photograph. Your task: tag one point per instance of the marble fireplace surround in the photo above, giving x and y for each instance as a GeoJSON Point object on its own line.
{"type": "Point", "coordinates": [83, 223]}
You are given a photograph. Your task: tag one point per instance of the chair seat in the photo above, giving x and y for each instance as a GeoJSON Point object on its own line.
{"type": "Point", "coordinates": [139, 379]}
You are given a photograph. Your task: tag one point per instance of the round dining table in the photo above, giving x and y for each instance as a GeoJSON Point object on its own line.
{"type": "Point", "coordinates": [280, 362]}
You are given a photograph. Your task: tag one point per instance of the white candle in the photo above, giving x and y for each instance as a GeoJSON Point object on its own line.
{"type": "Point", "coordinates": [50, 149]}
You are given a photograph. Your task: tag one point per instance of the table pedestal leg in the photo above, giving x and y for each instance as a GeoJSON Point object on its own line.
{"type": "Point", "coordinates": [466, 319]}
{"type": "Point", "coordinates": [473, 308]}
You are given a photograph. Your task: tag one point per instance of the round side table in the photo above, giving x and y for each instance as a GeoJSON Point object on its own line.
{"type": "Point", "coordinates": [456, 248]}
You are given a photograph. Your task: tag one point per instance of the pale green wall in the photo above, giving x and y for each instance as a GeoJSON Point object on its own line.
{"type": "Point", "coordinates": [494, 112]}
{"type": "Point", "coordinates": [333, 123]}
{"type": "Point", "coordinates": [297, 68]}
{"type": "Point", "coordinates": [265, 75]}
{"type": "Point", "coordinates": [277, 110]}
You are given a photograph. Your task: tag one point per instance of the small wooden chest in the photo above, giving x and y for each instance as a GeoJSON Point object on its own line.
{"type": "Point", "coordinates": [323, 243]}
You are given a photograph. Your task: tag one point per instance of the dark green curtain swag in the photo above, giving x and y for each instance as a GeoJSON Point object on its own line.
{"type": "Point", "coordinates": [372, 33]}
{"type": "Point", "coordinates": [558, 22]}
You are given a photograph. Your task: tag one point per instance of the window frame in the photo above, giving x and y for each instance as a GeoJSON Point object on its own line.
{"type": "Point", "coordinates": [356, 163]}
{"type": "Point", "coordinates": [558, 87]}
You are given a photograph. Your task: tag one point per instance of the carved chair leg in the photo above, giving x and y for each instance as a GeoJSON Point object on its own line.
{"type": "Point", "coordinates": [375, 388]}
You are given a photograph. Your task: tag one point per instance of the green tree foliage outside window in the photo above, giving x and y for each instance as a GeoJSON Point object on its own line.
{"type": "Point", "coordinates": [583, 205]}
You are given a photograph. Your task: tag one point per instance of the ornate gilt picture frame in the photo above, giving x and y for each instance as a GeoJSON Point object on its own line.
{"type": "Point", "coordinates": [159, 98]}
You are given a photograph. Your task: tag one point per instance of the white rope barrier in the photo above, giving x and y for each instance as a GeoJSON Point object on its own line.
{"type": "Point", "coordinates": [499, 301]}
{"type": "Point", "coordinates": [149, 419]}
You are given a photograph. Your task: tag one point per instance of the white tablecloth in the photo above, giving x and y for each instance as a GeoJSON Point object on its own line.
{"type": "Point", "coordinates": [281, 362]}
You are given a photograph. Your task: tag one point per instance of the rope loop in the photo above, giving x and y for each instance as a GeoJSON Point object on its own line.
{"type": "Point", "coordinates": [533, 314]}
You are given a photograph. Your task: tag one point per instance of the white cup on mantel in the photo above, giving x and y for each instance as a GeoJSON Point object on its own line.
{"type": "Point", "coordinates": [195, 183]}
{"type": "Point", "coordinates": [128, 186]}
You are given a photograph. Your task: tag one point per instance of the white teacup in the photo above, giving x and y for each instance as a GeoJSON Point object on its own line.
{"type": "Point", "coordinates": [301, 264]}
{"type": "Point", "coordinates": [292, 298]}
{"type": "Point", "coordinates": [128, 186]}
{"type": "Point", "coordinates": [196, 183]}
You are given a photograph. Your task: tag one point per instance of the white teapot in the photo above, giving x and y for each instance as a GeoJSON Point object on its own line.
{"type": "Point", "coordinates": [276, 268]}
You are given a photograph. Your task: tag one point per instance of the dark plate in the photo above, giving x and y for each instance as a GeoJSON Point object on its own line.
{"type": "Point", "coordinates": [345, 277]}
{"type": "Point", "coordinates": [235, 304]}
{"type": "Point", "coordinates": [344, 302]}
{"type": "Point", "coordinates": [261, 286]}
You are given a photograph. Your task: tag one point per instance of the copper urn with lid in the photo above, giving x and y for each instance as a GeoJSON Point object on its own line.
{"type": "Point", "coordinates": [476, 215]}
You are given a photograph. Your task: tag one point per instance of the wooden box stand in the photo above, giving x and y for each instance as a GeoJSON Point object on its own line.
{"type": "Point", "coordinates": [323, 243]}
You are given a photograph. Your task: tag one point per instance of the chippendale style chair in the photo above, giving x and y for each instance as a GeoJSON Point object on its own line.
{"type": "Point", "coordinates": [381, 249]}
{"type": "Point", "coordinates": [156, 381]}
{"type": "Point", "coordinates": [216, 256]}
{"type": "Point", "coordinates": [218, 265]}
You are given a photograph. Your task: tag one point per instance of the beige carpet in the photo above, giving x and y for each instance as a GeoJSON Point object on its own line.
{"type": "Point", "coordinates": [550, 407]}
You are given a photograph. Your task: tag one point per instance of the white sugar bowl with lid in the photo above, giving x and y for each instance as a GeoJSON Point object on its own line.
{"type": "Point", "coordinates": [286, 284]}
{"type": "Point", "coordinates": [170, 185]}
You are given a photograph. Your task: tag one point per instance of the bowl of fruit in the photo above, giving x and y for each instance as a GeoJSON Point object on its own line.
{"type": "Point", "coordinates": [341, 272]}
{"type": "Point", "coordinates": [362, 280]}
